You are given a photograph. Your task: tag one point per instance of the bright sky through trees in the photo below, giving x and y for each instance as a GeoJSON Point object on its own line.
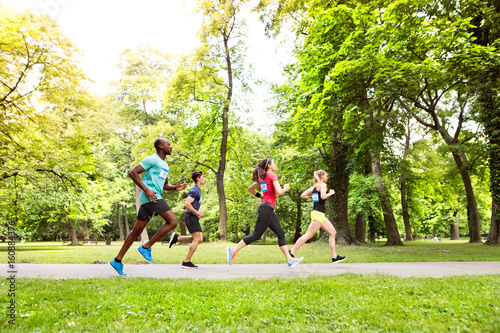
{"type": "Point", "coordinates": [103, 29]}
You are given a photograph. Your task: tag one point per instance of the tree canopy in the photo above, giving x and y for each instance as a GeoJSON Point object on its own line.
{"type": "Point", "coordinates": [397, 101]}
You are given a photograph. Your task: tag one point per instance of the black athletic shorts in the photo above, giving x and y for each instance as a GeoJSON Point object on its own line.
{"type": "Point", "coordinates": [150, 209]}
{"type": "Point", "coordinates": [192, 223]}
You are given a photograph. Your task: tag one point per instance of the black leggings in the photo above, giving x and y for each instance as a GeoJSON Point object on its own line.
{"type": "Point", "coordinates": [266, 219]}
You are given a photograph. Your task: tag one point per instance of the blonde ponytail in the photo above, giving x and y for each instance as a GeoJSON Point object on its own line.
{"type": "Point", "coordinates": [317, 178]}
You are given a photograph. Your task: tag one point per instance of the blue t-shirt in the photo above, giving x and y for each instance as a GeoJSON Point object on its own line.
{"type": "Point", "coordinates": [195, 193]}
{"type": "Point", "coordinates": [155, 176]}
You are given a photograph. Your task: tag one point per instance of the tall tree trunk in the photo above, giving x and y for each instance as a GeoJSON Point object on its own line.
{"type": "Point", "coordinates": [391, 227]}
{"type": "Point", "coordinates": [494, 236]}
{"type": "Point", "coordinates": [487, 34]}
{"type": "Point", "coordinates": [339, 181]}
{"type": "Point", "coordinates": [372, 228]}
{"type": "Point", "coordinates": [144, 234]}
{"type": "Point", "coordinates": [404, 203]}
{"type": "Point", "coordinates": [222, 198]}
{"type": "Point", "coordinates": [85, 229]}
{"type": "Point", "coordinates": [404, 207]}
{"type": "Point", "coordinates": [125, 220]}
{"type": "Point", "coordinates": [223, 146]}
{"type": "Point", "coordinates": [145, 113]}
{"type": "Point", "coordinates": [236, 234]}
{"type": "Point", "coordinates": [491, 121]}
{"type": "Point", "coordinates": [119, 222]}
{"type": "Point", "coordinates": [182, 225]}
{"type": "Point", "coordinates": [360, 230]}
{"type": "Point", "coordinates": [473, 216]}
{"type": "Point", "coordinates": [454, 231]}
{"type": "Point", "coordinates": [298, 220]}
{"type": "Point", "coordinates": [71, 229]}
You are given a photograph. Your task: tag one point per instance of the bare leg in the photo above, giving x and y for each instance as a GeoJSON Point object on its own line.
{"type": "Point", "coordinates": [288, 257]}
{"type": "Point", "coordinates": [311, 231]}
{"type": "Point", "coordinates": [131, 237]}
{"type": "Point", "coordinates": [170, 224]}
{"type": "Point", "coordinates": [196, 239]}
{"type": "Point", "coordinates": [238, 247]}
{"type": "Point", "coordinates": [330, 229]}
{"type": "Point", "coordinates": [188, 239]}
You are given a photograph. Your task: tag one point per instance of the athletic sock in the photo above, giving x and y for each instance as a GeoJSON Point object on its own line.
{"type": "Point", "coordinates": [118, 261]}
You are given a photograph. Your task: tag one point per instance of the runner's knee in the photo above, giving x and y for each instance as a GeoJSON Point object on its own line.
{"type": "Point", "coordinates": [172, 224]}
{"type": "Point", "coordinates": [198, 238]}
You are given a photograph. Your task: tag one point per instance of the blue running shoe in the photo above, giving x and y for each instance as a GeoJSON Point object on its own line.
{"type": "Point", "coordinates": [145, 253]}
{"type": "Point", "coordinates": [117, 266]}
{"type": "Point", "coordinates": [295, 262]}
{"type": "Point", "coordinates": [230, 255]}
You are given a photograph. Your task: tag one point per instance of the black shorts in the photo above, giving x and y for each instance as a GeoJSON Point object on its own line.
{"type": "Point", "coordinates": [150, 209]}
{"type": "Point", "coordinates": [192, 223]}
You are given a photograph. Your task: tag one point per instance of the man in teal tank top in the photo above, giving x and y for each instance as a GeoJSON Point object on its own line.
{"type": "Point", "coordinates": [153, 183]}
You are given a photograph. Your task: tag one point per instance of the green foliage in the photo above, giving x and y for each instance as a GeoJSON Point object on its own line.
{"type": "Point", "coordinates": [141, 86]}
{"type": "Point", "coordinates": [65, 153]}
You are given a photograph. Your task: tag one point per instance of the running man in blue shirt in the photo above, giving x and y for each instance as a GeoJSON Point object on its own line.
{"type": "Point", "coordinates": [192, 219]}
{"type": "Point", "coordinates": [153, 183]}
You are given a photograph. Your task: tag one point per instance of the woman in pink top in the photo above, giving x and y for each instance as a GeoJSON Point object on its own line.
{"type": "Point", "coordinates": [264, 177]}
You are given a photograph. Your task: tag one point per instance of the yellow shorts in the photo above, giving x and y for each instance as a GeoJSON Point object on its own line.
{"type": "Point", "coordinates": [318, 216]}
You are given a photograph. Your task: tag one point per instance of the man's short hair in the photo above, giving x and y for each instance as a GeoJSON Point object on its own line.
{"type": "Point", "coordinates": [158, 142]}
{"type": "Point", "coordinates": [196, 174]}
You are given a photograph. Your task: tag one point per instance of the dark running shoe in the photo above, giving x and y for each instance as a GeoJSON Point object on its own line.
{"type": "Point", "coordinates": [173, 240]}
{"type": "Point", "coordinates": [338, 259]}
{"type": "Point", "coordinates": [188, 264]}
{"type": "Point", "coordinates": [290, 251]}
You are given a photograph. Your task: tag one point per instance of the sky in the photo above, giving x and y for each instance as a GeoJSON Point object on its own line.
{"type": "Point", "coordinates": [102, 29]}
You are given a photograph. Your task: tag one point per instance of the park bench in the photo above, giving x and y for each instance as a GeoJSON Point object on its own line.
{"type": "Point", "coordinates": [66, 240]}
{"type": "Point", "coordinates": [90, 240]}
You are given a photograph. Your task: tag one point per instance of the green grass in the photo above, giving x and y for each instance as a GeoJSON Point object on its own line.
{"type": "Point", "coordinates": [214, 253]}
{"type": "Point", "coordinates": [341, 303]}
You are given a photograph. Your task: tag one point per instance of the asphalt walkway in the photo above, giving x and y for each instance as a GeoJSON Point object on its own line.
{"type": "Point", "coordinates": [257, 271]}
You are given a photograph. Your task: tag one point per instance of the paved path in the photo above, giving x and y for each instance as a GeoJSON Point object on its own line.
{"type": "Point", "coordinates": [258, 271]}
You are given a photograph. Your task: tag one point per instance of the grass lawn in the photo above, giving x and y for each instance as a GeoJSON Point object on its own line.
{"type": "Point", "coordinates": [214, 253]}
{"type": "Point", "coordinates": [342, 303]}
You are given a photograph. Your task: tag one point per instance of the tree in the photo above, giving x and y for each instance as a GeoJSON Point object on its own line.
{"type": "Point", "coordinates": [39, 70]}
{"type": "Point", "coordinates": [404, 198]}
{"type": "Point", "coordinates": [424, 46]}
{"type": "Point", "coordinates": [42, 99]}
{"type": "Point", "coordinates": [337, 64]}
{"type": "Point", "coordinates": [140, 91]}
{"type": "Point", "coordinates": [221, 52]}
{"type": "Point", "coordinates": [486, 34]}
{"type": "Point", "coordinates": [314, 117]}
{"type": "Point", "coordinates": [141, 86]}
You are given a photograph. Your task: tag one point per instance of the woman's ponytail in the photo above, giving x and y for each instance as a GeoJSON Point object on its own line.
{"type": "Point", "coordinates": [317, 178]}
{"type": "Point", "coordinates": [260, 171]}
